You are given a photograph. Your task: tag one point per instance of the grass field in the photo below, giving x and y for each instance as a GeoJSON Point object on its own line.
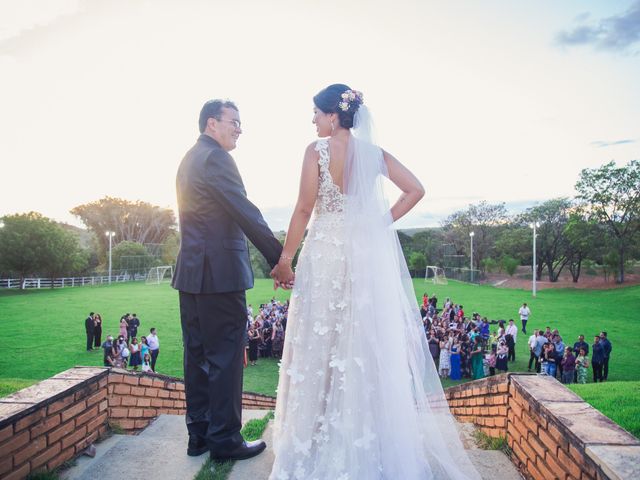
{"type": "Point", "coordinates": [42, 332]}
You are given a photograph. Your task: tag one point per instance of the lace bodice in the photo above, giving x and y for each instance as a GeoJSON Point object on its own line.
{"type": "Point", "coordinates": [330, 198]}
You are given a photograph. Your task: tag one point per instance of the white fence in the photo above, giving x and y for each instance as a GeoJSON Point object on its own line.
{"type": "Point", "coordinates": [68, 281]}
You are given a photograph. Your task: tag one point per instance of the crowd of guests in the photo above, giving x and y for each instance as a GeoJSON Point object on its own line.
{"type": "Point", "coordinates": [265, 331]}
{"type": "Point", "coordinates": [126, 350]}
{"type": "Point", "coordinates": [570, 364]}
{"type": "Point", "coordinates": [475, 347]}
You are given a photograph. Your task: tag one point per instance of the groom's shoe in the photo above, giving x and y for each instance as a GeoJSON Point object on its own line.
{"type": "Point", "coordinates": [244, 451]}
{"type": "Point", "coordinates": [197, 446]}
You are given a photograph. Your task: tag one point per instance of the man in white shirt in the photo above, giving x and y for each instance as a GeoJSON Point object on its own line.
{"type": "Point", "coordinates": [154, 347]}
{"type": "Point", "coordinates": [524, 313]}
{"type": "Point", "coordinates": [513, 331]}
{"type": "Point", "coordinates": [532, 345]}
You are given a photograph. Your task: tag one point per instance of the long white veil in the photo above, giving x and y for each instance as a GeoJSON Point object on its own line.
{"type": "Point", "coordinates": [383, 294]}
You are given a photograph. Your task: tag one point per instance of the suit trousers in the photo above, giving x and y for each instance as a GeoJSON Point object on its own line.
{"type": "Point", "coordinates": [89, 340]}
{"type": "Point", "coordinates": [213, 332]}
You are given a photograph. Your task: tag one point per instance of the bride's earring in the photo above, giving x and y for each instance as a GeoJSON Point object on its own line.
{"type": "Point", "coordinates": [333, 127]}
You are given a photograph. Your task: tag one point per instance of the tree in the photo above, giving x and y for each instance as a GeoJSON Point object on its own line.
{"type": "Point", "coordinates": [485, 220]}
{"type": "Point", "coordinates": [417, 263]}
{"type": "Point", "coordinates": [138, 222]}
{"type": "Point", "coordinates": [552, 247]}
{"type": "Point", "coordinates": [583, 238]}
{"type": "Point", "coordinates": [31, 244]}
{"type": "Point", "coordinates": [612, 195]}
{"type": "Point", "coordinates": [132, 257]}
{"type": "Point", "coordinates": [509, 264]}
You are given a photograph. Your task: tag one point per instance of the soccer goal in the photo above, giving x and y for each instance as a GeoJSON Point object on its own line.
{"type": "Point", "coordinates": [436, 275]}
{"type": "Point", "coordinates": [159, 275]}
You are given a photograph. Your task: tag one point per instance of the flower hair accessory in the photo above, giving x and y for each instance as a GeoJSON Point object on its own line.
{"type": "Point", "coordinates": [349, 97]}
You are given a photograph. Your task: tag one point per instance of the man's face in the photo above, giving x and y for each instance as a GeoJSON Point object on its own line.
{"type": "Point", "coordinates": [227, 129]}
{"type": "Point", "coordinates": [581, 338]}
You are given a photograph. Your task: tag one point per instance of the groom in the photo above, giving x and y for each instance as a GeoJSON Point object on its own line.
{"type": "Point", "coordinates": [212, 273]}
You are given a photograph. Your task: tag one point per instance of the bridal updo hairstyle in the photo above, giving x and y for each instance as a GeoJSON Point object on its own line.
{"type": "Point", "coordinates": [328, 101]}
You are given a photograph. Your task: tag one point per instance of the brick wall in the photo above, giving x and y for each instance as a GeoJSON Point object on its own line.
{"type": "Point", "coordinates": [553, 433]}
{"type": "Point", "coordinates": [483, 403]}
{"type": "Point", "coordinates": [44, 425]}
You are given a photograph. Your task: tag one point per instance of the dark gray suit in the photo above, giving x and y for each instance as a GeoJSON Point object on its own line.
{"type": "Point", "coordinates": [212, 273]}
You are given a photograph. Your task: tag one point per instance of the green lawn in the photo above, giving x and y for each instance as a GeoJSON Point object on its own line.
{"type": "Point", "coordinates": [42, 332]}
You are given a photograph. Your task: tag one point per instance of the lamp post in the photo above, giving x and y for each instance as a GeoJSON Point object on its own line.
{"type": "Point", "coordinates": [534, 225]}
{"type": "Point", "coordinates": [110, 235]}
{"type": "Point", "coordinates": [471, 235]}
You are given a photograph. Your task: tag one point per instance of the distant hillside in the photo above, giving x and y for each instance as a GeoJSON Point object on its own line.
{"type": "Point", "coordinates": [85, 237]}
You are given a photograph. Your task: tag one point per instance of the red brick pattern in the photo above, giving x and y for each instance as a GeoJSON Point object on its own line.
{"type": "Point", "coordinates": [514, 407]}
{"type": "Point", "coordinates": [55, 431]}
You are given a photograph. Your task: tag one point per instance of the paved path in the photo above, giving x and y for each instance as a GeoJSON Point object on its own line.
{"type": "Point", "coordinates": [163, 444]}
{"type": "Point", "coordinates": [491, 464]}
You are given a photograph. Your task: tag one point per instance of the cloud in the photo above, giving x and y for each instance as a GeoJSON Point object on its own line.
{"type": "Point", "coordinates": [618, 32]}
{"type": "Point", "coordinates": [602, 143]}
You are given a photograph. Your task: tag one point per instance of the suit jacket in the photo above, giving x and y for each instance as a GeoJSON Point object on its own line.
{"type": "Point", "coordinates": [89, 325]}
{"type": "Point", "coordinates": [215, 215]}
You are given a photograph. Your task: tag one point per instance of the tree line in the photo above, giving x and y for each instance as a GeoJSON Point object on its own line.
{"type": "Point", "coordinates": [600, 226]}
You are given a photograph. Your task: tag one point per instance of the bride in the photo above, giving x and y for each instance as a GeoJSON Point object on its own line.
{"type": "Point", "coordinates": [358, 395]}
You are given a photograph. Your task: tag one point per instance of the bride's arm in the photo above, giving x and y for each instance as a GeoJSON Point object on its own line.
{"type": "Point", "coordinates": [412, 189]}
{"type": "Point", "coordinates": [302, 213]}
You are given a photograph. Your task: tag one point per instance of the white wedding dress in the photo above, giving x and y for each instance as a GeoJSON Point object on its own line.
{"type": "Point", "coordinates": [358, 395]}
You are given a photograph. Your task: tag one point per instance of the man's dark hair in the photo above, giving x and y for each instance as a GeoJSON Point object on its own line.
{"type": "Point", "coordinates": [604, 333]}
{"type": "Point", "coordinates": [91, 314]}
{"type": "Point", "coordinates": [153, 329]}
{"type": "Point", "coordinates": [213, 109]}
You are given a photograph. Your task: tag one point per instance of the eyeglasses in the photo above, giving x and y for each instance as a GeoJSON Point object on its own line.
{"type": "Point", "coordinates": [236, 123]}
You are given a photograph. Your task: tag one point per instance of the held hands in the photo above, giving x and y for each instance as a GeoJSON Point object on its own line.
{"type": "Point", "coordinates": [283, 275]}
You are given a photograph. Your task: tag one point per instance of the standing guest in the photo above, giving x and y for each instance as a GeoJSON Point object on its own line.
{"type": "Point", "coordinates": [146, 363]}
{"type": "Point", "coordinates": [445, 358]}
{"type": "Point", "coordinates": [513, 331]}
{"type": "Point", "coordinates": [136, 358]}
{"type": "Point", "coordinates": [532, 347]}
{"type": "Point", "coordinates": [434, 346]}
{"type": "Point", "coordinates": [491, 360]}
{"type": "Point", "coordinates": [277, 339]}
{"type": "Point", "coordinates": [133, 324]}
{"type": "Point", "coordinates": [267, 341]}
{"type": "Point", "coordinates": [559, 346]}
{"type": "Point", "coordinates": [89, 326]}
{"type": "Point", "coordinates": [97, 330]}
{"type": "Point", "coordinates": [116, 356]}
{"type": "Point", "coordinates": [597, 359]}
{"type": "Point", "coordinates": [154, 347]}
{"type": "Point", "coordinates": [465, 356]}
{"type": "Point", "coordinates": [106, 346]}
{"type": "Point", "coordinates": [582, 365]}
{"type": "Point", "coordinates": [576, 348]}
{"type": "Point", "coordinates": [124, 326]}
{"type": "Point", "coordinates": [541, 340]}
{"type": "Point", "coordinates": [606, 345]}
{"type": "Point", "coordinates": [456, 372]}
{"type": "Point", "coordinates": [524, 313]}
{"type": "Point", "coordinates": [254, 341]}
{"type": "Point", "coordinates": [502, 354]}
{"type": "Point", "coordinates": [568, 366]}
{"type": "Point", "coordinates": [425, 300]}
{"type": "Point", "coordinates": [144, 347]}
{"type": "Point", "coordinates": [476, 359]}
{"type": "Point", "coordinates": [501, 330]}
{"type": "Point", "coordinates": [550, 360]}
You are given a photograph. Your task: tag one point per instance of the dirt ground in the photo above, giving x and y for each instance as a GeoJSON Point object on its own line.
{"type": "Point", "coordinates": [521, 280]}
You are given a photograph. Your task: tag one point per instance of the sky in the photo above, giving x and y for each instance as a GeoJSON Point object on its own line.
{"type": "Point", "coordinates": [504, 101]}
